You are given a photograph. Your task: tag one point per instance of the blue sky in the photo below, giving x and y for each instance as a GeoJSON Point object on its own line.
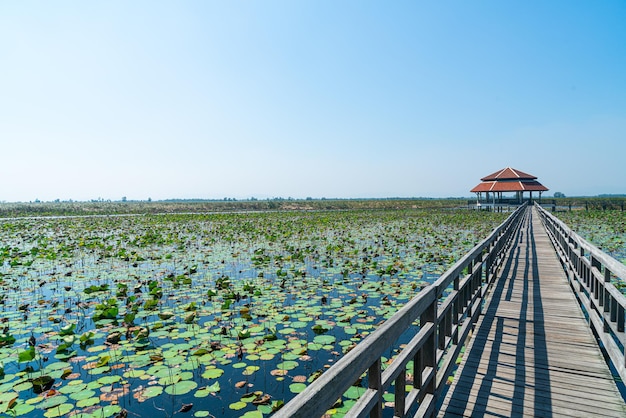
{"type": "Point", "coordinates": [207, 99]}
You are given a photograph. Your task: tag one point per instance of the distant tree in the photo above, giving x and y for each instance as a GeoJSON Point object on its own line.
{"type": "Point", "coordinates": [558, 194]}
{"type": "Point", "coordinates": [149, 199]}
{"type": "Point", "coordinates": [123, 198]}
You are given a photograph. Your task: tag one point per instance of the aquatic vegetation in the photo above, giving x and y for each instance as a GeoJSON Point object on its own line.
{"type": "Point", "coordinates": [211, 314]}
{"type": "Point", "coordinates": [604, 229]}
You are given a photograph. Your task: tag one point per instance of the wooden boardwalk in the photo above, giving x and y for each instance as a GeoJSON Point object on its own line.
{"type": "Point", "coordinates": [533, 353]}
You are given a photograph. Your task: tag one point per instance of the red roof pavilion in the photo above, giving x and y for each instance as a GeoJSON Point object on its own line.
{"type": "Point", "coordinates": [509, 180]}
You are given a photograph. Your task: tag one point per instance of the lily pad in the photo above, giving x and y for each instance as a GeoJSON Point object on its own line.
{"type": "Point", "coordinates": [206, 391]}
{"type": "Point", "coordinates": [212, 373]}
{"type": "Point", "coordinates": [181, 388]}
{"type": "Point", "coordinates": [59, 410]}
{"type": "Point", "coordinates": [237, 405]}
{"type": "Point", "coordinates": [297, 387]}
{"type": "Point", "coordinates": [108, 380]}
{"type": "Point", "coordinates": [152, 391]}
{"type": "Point", "coordinates": [287, 365]}
{"type": "Point", "coordinates": [22, 409]}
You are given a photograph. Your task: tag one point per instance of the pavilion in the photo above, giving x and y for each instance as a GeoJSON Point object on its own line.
{"type": "Point", "coordinates": [505, 181]}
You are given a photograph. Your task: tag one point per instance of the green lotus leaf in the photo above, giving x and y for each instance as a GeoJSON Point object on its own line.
{"type": "Point", "coordinates": [181, 388]}
{"type": "Point", "coordinates": [206, 391]}
{"type": "Point", "coordinates": [67, 330]}
{"type": "Point", "coordinates": [249, 370]}
{"type": "Point", "coordinates": [53, 401]}
{"type": "Point", "coordinates": [27, 355]}
{"type": "Point", "coordinates": [287, 365]}
{"type": "Point", "coordinates": [253, 414]}
{"type": "Point", "coordinates": [103, 361]}
{"type": "Point", "coordinates": [22, 409]}
{"type": "Point", "coordinates": [109, 380]}
{"type": "Point", "coordinates": [354, 392]}
{"type": "Point", "coordinates": [170, 380]}
{"type": "Point", "coordinates": [20, 387]}
{"type": "Point", "coordinates": [56, 366]}
{"type": "Point", "coordinates": [73, 388]}
{"type": "Point", "coordinates": [152, 391]}
{"type": "Point", "coordinates": [59, 410]}
{"type": "Point", "coordinates": [109, 411]}
{"type": "Point", "coordinates": [324, 339]}
{"type": "Point", "coordinates": [85, 403]}
{"type": "Point", "coordinates": [84, 394]}
{"type": "Point", "coordinates": [237, 405]}
{"type": "Point", "coordinates": [99, 370]}
{"type": "Point", "coordinates": [297, 387]}
{"type": "Point", "coordinates": [166, 315]}
{"type": "Point", "coordinates": [6, 399]}
{"type": "Point", "coordinates": [212, 373]}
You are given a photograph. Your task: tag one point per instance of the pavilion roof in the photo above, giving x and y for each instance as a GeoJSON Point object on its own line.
{"type": "Point", "coordinates": [509, 186]}
{"type": "Point", "coordinates": [509, 174]}
{"type": "Point", "coordinates": [509, 180]}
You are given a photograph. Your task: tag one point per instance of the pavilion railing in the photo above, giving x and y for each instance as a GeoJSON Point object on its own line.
{"type": "Point", "coordinates": [446, 312]}
{"type": "Point", "coordinates": [591, 273]}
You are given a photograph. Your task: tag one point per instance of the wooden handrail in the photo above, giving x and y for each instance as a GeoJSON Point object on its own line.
{"type": "Point", "coordinates": [444, 324]}
{"type": "Point", "coordinates": [590, 272]}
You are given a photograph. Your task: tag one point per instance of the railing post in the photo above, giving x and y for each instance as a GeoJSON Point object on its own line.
{"type": "Point", "coordinates": [400, 398]}
{"type": "Point", "coordinates": [581, 267]}
{"type": "Point", "coordinates": [620, 318]}
{"type": "Point", "coordinates": [429, 351]}
{"type": "Point", "coordinates": [461, 300]}
{"type": "Point", "coordinates": [602, 295]}
{"type": "Point", "coordinates": [606, 299]}
{"type": "Point", "coordinates": [375, 383]}
{"type": "Point", "coordinates": [595, 286]}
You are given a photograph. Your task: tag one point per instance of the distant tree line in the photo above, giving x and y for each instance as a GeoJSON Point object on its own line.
{"type": "Point", "coordinates": [102, 207]}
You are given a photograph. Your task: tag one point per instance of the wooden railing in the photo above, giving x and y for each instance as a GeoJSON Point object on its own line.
{"type": "Point", "coordinates": [445, 320]}
{"type": "Point", "coordinates": [591, 273]}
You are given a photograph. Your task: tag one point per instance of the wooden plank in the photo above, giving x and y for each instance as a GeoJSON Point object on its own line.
{"type": "Point", "coordinates": [537, 379]}
{"type": "Point", "coordinates": [561, 390]}
{"type": "Point", "coordinates": [532, 353]}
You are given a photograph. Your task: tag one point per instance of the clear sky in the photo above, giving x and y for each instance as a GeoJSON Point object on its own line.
{"type": "Point", "coordinates": [213, 99]}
